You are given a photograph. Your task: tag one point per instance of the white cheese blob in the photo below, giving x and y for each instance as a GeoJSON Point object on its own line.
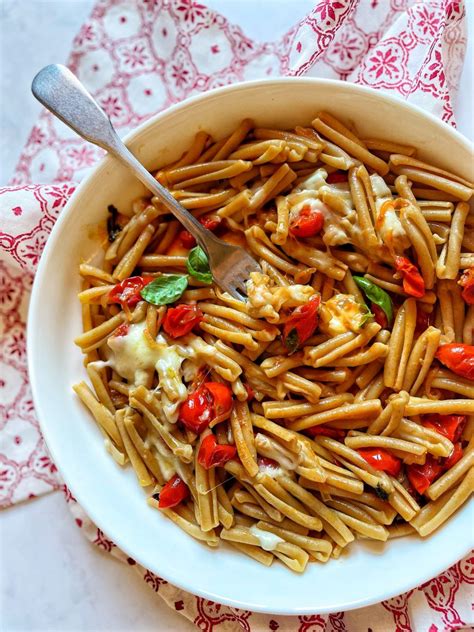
{"type": "Point", "coordinates": [313, 182]}
{"type": "Point", "coordinates": [272, 450]}
{"type": "Point", "coordinates": [171, 465]}
{"type": "Point", "coordinates": [267, 299]}
{"type": "Point", "coordinates": [270, 470]}
{"type": "Point", "coordinates": [342, 313]}
{"type": "Point", "coordinates": [268, 541]}
{"type": "Point", "coordinates": [387, 222]}
{"type": "Point", "coordinates": [134, 355]}
{"type": "Point", "coordinates": [339, 224]}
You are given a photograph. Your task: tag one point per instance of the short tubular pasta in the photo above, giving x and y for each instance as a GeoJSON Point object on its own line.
{"type": "Point", "coordinates": [335, 403]}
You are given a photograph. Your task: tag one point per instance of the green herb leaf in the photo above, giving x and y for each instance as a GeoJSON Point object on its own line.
{"type": "Point", "coordinates": [378, 296]}
{"type": "Point", "coordinates": [292, 341]}
{"type": "Point", "coordinates": [366, 317]}
{"type": "Point", "coordinates": [198, 265]}
{"type": "Point", "coordinates": [165, 289]}
{"type": "Point", "coordinates": [381, 493]}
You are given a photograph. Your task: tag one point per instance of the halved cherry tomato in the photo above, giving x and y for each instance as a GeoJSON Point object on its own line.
{"type": "Point", "coordinates": [180, 320]}
{"type": "Point", "coordinates": [336, 177]}
{"type": "Point", "coordinates": [197, 411]}
{"type": "Point", "coordinates": [413, 282]}
{"type": "Point", "coordinates": [458, 357]}
{"type": "Point", "coordinates": [301, 324]}
{"type": "Point", "coordinates": [210, 401]}
{"type": "Point", "coordinates": [173, 492]}
{"type": "Point", "coordinates": [324, 431]}
{"type": "Point", "coordinates": [454, 457]}
{"type": "Point", "coordinates": [127, 292]}
{"type": "Point", "coordinates": [250, 392]}
{"type": "Point", "coordinates": [421, 476]}
{"type": "Point", "coordinates": [467, 283]}
{"type": "Point", "coordinates": [308, 223]}
{"type": "Point", "coordinates": [381, 459]}
{"type": "Point", "coordinates": [213, 454]}
{"type": "Point", "coordinates": [450, 426]}
{"type": "Point", "coordinates": [122, 330]}
{"type": "Point", "coordinates": [211, 223]}
{"type": "Point", "coordinates": [222, 399]}
{"type": "Point", "coordinates": [379, 315]}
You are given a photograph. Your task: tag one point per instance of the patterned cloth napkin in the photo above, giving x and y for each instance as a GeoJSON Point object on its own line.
{"type": "Point", "coordinates": [138, 58]}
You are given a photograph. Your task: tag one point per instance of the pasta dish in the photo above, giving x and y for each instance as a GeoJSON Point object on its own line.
{"type": "Point", "coordinates": [337, 402]}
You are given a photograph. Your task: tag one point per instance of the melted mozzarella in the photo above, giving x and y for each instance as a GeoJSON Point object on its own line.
{"type": "Point", "coordinates": [270, 470]}
{"type": "Point", "coordinates": [134, 356]}
{"type": "Point", "coordinates": [268, 541]}
{"type": "Point", "coordinates": [340, 314]}
{"type": "Point", "coordinates": [266, 299]}
{"type": "Point", "coordinates": [273, 450]}
{"type": "Point", "coordinates": [171, 465]}
{"type": "Point", "coordinates": [313, 182]}
{"type": "Point", "coordinates": [339, 223]}
{"type": "Point", "coordinates": [387, 224]}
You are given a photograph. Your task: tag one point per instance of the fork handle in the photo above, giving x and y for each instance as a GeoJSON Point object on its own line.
{"type": "Point", "coordinates": [61, 92]}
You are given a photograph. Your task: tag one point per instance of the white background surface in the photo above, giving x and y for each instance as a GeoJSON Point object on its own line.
{"type": "Point", "coordinates": [51, 577]}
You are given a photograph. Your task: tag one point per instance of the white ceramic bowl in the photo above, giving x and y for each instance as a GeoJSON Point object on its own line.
{"type": "Point", "coordinates": [110, 495]}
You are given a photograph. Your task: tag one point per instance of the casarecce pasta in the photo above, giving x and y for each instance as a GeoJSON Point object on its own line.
{"type": "Point", "coordinates": [336, 403]}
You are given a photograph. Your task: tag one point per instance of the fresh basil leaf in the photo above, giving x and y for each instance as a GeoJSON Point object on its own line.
{"type": "Point", "coordinates": [366, 317]}
{"type": "Point", "coordinates": [292, 341]}
{"type": "Point", "coordinates": [198, 265]}
{"type": "Point", "coordinates": [378, 296]}
{"type": "Point", "coordinates": [165, 289]}
{"type": "Point", "coordinates": [113, 228]}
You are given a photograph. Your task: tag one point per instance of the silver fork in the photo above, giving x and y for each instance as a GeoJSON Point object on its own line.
{"type": "Point", "coordinates": [64, 95]}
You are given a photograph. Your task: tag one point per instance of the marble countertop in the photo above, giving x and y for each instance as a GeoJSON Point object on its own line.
{"type": "Point", "coordinates": [51, 578]}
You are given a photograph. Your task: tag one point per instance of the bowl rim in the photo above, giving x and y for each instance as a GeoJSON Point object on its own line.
{"type": "Point", "coordinates": [133, 136]}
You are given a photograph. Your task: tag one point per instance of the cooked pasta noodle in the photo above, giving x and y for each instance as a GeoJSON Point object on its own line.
{"type": "Point", "coordinates": [331, 404]}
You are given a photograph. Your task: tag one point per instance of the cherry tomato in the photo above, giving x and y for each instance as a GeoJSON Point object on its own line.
{"type": "Point", "coordinates": [197, 412]}
{"type": "Point", "coordinates": [250, 392]}
{"type": "Point", "coordinates": [381, 459]}
{"type": "Point", "coordinates": [187, 239]}
{"type": "Point", "coordinates": [336, 177]}
{"type": "Point", "coordinates": [180, 320]}
{"type": "Point", "coordinates": [421, 476]}
{"type": "Point", "coordinates": [458, 357]}
{"type": "Point", "coordinates": [467, 283]}
{"type": "Point", "coordinates": [212, 454]}
{"type": "Point", "coordinates": [413, 282]}
{"type": "Point", "coordinates": [454, 457]}
{"type": "Point", "coordinates": [222, 399]}
{"type": "Point", "coordinates": [211, 223]}
{"type": "Point", "coordinates": [379, 315]}
{"type": "Point", "coordinates": [128, 291]}
{"type": "Point", "coordinates": [173, 492]}
{"type": "Point", "coordinates": [324, 431]}
{"type": "Point", "coordinates": [210, 401]}
{"type": "Point", "coordinates": [301, 324]}
{"type": "Point", "coordinates": [450, 426]}
{"type": "Point", "coordinates": [122, 330]}
{"type": "Point", "coordinates": [308, 223]}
